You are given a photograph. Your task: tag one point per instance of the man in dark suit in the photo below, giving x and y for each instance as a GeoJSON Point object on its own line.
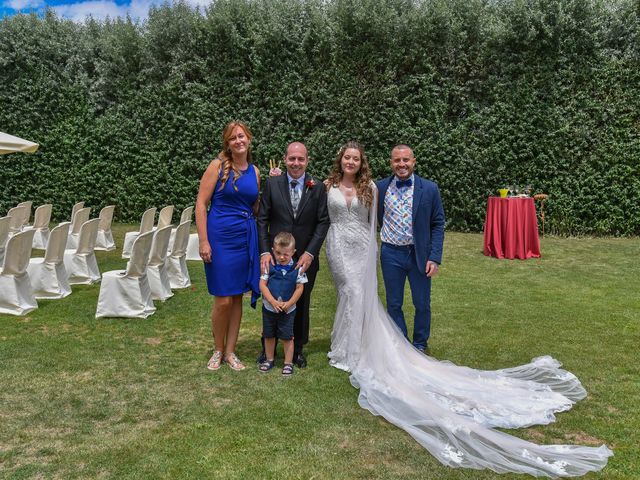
{"type": "Point", "coordinates": [294, 202]}
{"type": "Point", "coordinates": [412, 233]}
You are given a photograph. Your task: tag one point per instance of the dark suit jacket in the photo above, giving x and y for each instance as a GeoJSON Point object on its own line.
{"type": "Point", "coordinates": [310, 225]}
{"type": "Point", "coordinates": [428, 218]}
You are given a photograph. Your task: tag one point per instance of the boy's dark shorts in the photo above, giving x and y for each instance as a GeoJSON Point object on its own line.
{"type": "Point", "coordinates": [277, 325]}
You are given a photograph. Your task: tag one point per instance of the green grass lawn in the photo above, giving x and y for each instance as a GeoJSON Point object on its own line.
{"type": "Point", "coordinates": [131, 398]}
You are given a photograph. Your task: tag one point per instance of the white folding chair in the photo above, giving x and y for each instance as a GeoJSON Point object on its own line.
{"type": "Point", "coordinates": [40, 226]}
{"type": "Point", "coordinates": [17, 219]}
{"type": "Point", "coordinates": [156, 269]}
{"type": "Point", "coordinates": [176, 263]}
{"type": "Point", "coordinates": [104, 241]}
{"type": "Point", "coordinates": [75, 208]}
{"type": "Point", "coordinates": [27, 212]}
{"type": "Point", "coordinates": [187, 213]}
{"type": "Point", "coordinates": [165, 216]}
{"type": "Point", "coordinates": [48, 275]}
{"type": "Point", "coordinates": [5, 223]}
{"type": "Point", "coordinates": [80, 263]}
{"type": "Point", "coordinates": [127, 294]}
{"type": "Point", "coordinates": [16, 294]}
{"type": "Point", "coordinates": [79, 219]}
{"type": "Point", "coordinates": [146, 225]}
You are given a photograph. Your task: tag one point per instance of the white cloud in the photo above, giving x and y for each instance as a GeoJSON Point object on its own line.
{"type": "Point", "coordinates": [98, 9]}
{"type": "Point", "coordinates": [21, 4]}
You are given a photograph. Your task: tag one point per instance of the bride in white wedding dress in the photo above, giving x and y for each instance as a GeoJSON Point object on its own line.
{"type": "Point", "coordinates": [450, 410]}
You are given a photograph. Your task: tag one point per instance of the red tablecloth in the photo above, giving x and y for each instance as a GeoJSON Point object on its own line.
{"type": "Point", "coordinates": [511, 228]}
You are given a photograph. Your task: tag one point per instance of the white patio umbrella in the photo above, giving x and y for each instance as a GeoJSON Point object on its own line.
{"type": "Point", "coordinates": [10, 144]}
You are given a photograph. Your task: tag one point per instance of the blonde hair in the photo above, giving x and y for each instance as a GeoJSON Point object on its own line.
{"type": "Point", "coordinates": [225, 155]}
{"type": "Point", "coordinates": [363, 176]}
{"type": "Point", "coordinates": [284, 240]}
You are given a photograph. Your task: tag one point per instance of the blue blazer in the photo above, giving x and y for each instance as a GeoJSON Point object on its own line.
{"type": "Point", "coordinates": [427, 218]}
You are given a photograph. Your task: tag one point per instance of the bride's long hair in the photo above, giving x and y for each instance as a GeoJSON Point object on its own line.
{"type": "Point", "coordinates": [363, 176]}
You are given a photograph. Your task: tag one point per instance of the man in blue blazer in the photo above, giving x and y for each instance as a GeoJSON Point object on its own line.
{"type": "Point", "coordinates": [412, 233]}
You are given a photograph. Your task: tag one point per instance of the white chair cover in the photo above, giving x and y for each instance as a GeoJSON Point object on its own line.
{"type": "Point", "coordinates": [156, 269]}
{"type": "Point", "coordinates": [176, 263]}
{"type": "Point", "coordinates": [127, 294]}
{"type": "Point", "coordinates": [27, 211]}
{"type": "Point", "coordinates": [17, 219]}
{"type": "Point", "coordinates": [5, 224]}
{"type": "Point", "coordinates": [187, 213]}
{"type": "Point", "coordinates": [81, 264]}
{"type": "Point", "coordinates": [75, 208]}
{"type": "Point", "coordinates": [165, 216]}
{"type": "Point", "coordinates": [79, 219]}
{"type": "Point", "coordinates": [40, 225]}
{"type": "Point", "coordinates": [104, 241]}
{"type": "Point", "coordinates": [48, 275]}
{"type": "Point", "coordinates": [146, 225]}
{"type": "Point", "coordinates": [16, 294]}
{"type": "Point", "coordinates": [193, 247]}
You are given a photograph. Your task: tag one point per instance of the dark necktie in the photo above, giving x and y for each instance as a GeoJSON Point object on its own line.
{"type": "Point", "coordinates": [295, 196]}
{"type": "Point", "coordinates": [403, 183]}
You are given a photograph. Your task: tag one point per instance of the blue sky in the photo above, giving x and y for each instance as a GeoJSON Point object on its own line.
{"type": "Point", "coordinates": [78, 10]}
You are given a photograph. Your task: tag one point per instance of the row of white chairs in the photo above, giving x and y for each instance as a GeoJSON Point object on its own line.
{"type": "Point", "coordinates": [150, 275]}
{"type": "Point", "coordinates": [18, 217]}
{"type": "Point", "coordinates": [147, 225]}
{"type": "Point", "coordinates": [23, 280]}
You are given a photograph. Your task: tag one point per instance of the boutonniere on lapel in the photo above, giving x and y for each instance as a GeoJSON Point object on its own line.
{"type": "Point", "coordinates": [309, 184]}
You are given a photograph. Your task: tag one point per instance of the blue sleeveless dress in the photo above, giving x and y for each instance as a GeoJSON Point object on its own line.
{"type": "Point", "coordinates": [233, 236]}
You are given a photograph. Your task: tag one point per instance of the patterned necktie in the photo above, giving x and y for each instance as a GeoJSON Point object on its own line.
{"type": "Point", "coordinates": [295, 196]}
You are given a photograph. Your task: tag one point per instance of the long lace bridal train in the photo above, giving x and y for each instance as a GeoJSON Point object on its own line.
{"type": "Point", "coordinates": [450, 410]}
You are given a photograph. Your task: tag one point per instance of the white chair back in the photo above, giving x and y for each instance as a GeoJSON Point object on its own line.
{"type": "Point", "coordinates": [16, 258]}
{"type": "Point", "coordinates": [27, 213]}
{"type": "Point", "coordinates": [42, 216]}
{"type": "Point", "coordinates": [88, 234]}
{"type": "Point", "coordinates": [75, 209]}
{"type": "Point", "coordinates": [17, 218]}
{"type": "Point", "coordinates": [181, 239]}
{"type": "Point", "coordinates": [148, 218]}
{"type": "Point", "coordinates": [79, 219]}
{"type": "Point", "coordinates": [137, 265]}
{"type": "Point", "coordinates": [186, 214]}
{"type": "Point", "coordinates": [159, 246]}
{"type": "Point", "coordinates": [57, 241]}
{"type": "Point", "coordinates": [5, 224]}
{"type": "Point", "coordinates": [166, 214]}
{"type": "Point", "coordinates": [106, 216]}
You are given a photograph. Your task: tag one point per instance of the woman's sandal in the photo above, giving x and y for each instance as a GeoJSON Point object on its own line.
{"type": "Point", "coordinates": [234, 362]}
{"type": "Point", "coordinates": [215, 362]}
{"type": "Point", "coordinates": [287, 370]}
{"type": "Point", "coordinates": [265, 366]}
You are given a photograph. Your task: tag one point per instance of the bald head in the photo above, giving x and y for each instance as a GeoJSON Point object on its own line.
{"type": "Point", "coordinates": [296, 159]}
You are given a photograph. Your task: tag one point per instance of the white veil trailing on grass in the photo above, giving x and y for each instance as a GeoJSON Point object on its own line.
{"type": "Point", "coordinates": [451, 410]}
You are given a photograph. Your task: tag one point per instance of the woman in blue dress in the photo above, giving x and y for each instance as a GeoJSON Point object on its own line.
{"type": "Point", "coordinates": [228, 238]}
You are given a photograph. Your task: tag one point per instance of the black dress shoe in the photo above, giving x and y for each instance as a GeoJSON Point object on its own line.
{"type": "Point", "coordinates": [299, 360]}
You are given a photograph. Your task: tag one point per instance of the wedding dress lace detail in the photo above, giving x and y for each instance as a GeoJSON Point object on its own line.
{"type": "Point", "coordinates": [450, 410]}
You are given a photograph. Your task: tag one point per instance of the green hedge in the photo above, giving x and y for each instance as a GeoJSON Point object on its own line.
{"type": "Point", "coordinates": [490, 93]}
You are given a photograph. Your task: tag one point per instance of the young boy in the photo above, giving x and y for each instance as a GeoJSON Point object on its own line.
{"type": "Point", "coordinates": [281, 287]}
